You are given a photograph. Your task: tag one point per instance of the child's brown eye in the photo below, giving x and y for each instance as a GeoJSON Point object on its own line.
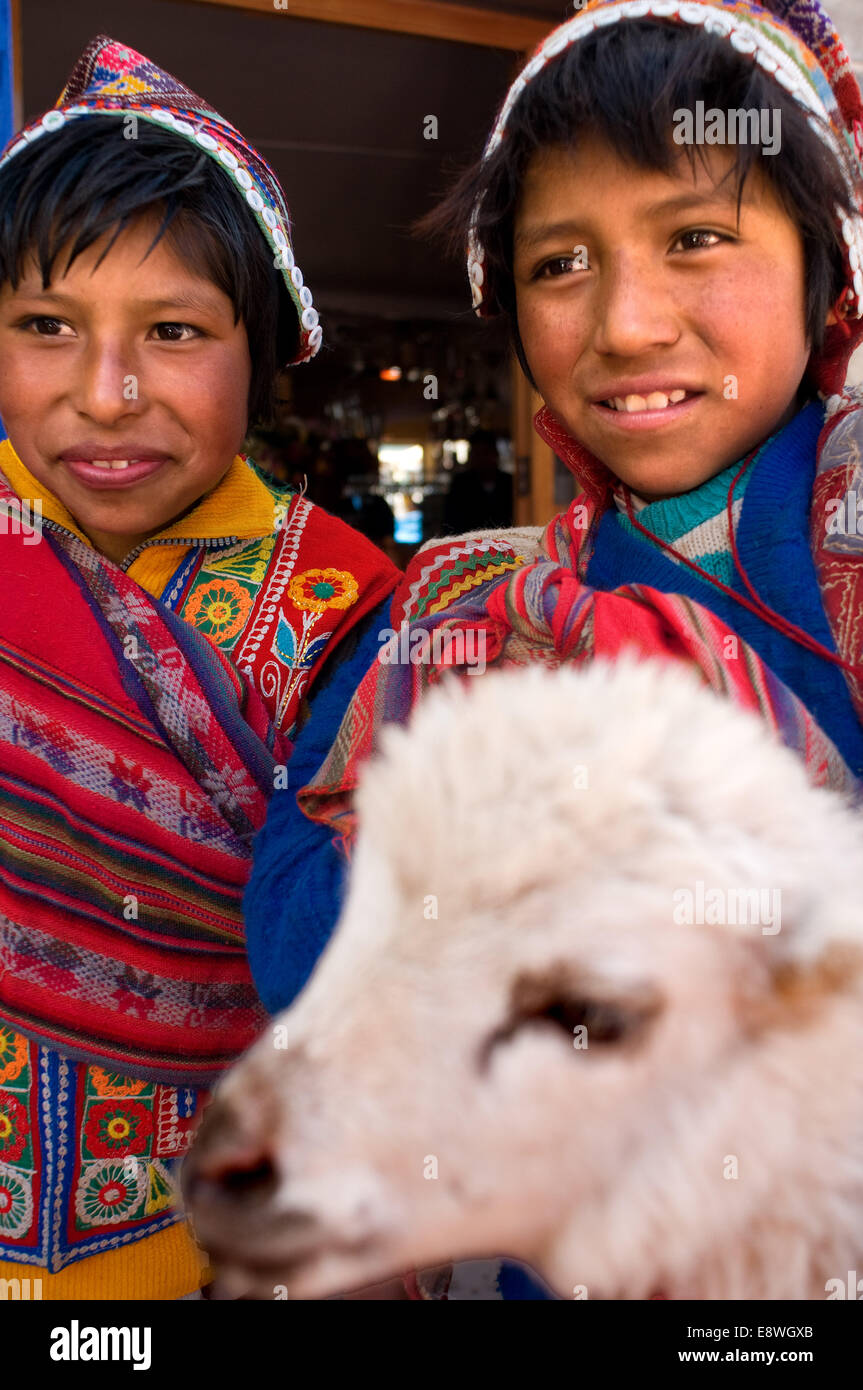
{"type": "Point", "coordinates": [701, 237]}
{"type": "Point", "coordinates": [561, 265]}
{"type": "Point", "coordinates": [177, 332]}
{"type": "Point", "coordinates": [39, 324]}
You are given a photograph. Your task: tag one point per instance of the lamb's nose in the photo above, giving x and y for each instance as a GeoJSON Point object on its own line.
{"type": "Point", "coordinates": [228, 1167]}
{"type": "Point", "coordinates": [250, 1179]}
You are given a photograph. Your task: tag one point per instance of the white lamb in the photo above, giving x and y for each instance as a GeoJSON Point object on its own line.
{"type": "Point", "coordinates": [541, 1029]}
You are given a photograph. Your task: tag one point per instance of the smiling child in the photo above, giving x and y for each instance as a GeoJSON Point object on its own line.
{"type": "Point", "coordinates": [166, 615]}
{"type": "Point", "coordinates": [687, 314]}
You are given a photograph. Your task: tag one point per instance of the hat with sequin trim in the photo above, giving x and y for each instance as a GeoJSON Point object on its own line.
{"type": "Point", "coordinates": [794, 41]}
{"type": "Point", "coordinates": [111, 79]}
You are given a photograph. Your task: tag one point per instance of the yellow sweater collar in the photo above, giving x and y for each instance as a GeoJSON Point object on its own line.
{"type": "Point", "coordinates": [240, 505]}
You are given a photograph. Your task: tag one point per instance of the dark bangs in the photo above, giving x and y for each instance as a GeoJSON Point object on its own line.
{"type": "Point", "coordinates": [624, 83]}
{"type": "Point", "coordinates": [72, 186]}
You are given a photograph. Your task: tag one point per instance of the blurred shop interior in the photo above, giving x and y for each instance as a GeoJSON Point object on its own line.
{"type": "Point", "coordinates": [414, 420]}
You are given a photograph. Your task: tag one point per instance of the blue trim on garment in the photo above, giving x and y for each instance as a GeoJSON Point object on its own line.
{"type": "Point", "coordinates": [294, 896]}
{"type": "Point", "coordinates": [518, 1283]}
{"type": "Point", "coordinates": [773, 542]}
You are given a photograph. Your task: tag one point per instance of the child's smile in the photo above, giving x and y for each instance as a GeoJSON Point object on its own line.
{"type": "Point", "coordinates": [124, 389]}
{"type": "Point", "coordinates": [682, 344]}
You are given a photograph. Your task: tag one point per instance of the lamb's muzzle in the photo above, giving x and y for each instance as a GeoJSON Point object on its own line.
{"type": "Point", "coordinates": [595, 1002]}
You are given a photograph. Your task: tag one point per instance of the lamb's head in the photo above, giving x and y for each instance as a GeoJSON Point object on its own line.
{"type": "Point", "coordinates": [592, 988]}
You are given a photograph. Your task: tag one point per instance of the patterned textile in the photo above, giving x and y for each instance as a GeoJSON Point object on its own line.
{"type": "Point", "coordinates": [114, 1174]}
{"type": "Point", "coordinates": [120, 919]}
{"type": "Point", "coordinates": [274, 616]}
{"type": "Point", "coordinates": [135, 767]}
{"type": "Point", "coordinates": [111, 79]}
{"type": "Point", "coordinates": [543, 612]}
{"type": "Point", "coordinates": [135, 770]}
{"type": "Point", "coordinates": [696, 522]}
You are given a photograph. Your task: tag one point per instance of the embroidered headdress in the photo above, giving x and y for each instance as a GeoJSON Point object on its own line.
{"type": "Point", "coordinates": [111, 79]}
{"type": "Point", "coordinates": [793, 41]}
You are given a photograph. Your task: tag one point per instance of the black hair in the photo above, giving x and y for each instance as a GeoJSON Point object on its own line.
{"type": "Point", "coordinates": [625, 83]}
{"type": "Point", "coordinates": [72, 186]}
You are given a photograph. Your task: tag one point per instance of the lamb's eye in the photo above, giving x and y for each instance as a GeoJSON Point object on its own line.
{"type": "Point", "coordinates": [586, 1021]}
{"type": "Point", "coordinates": [605, 1023]}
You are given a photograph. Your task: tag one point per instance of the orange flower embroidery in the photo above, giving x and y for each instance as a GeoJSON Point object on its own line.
{"type": "Point", "coordinates": [112, 1083]}
{"type": "Point", "coordinates": [13, 1055]}
{"type": "Point", "coordinates": [219, 608]}
{"type": "Point", "coordinates": [317, 590]}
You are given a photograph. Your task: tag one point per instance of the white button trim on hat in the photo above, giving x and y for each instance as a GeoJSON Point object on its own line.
{"type": "Point", "coordinates": [743, 42]}
{"type": "Point", "coordinates": [311, 331]}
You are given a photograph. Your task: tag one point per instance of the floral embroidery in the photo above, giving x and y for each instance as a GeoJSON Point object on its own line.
{"type": "Point", "coordinates": [249, 563]}
{"type": "Point", "coordinates": [118, 1127]}
{"type": "Point", "coordinates": [318, 590]}
{"type": "Point", "coordinates": [112, 1083]}
{"type": "Point", "coordinates": [219, 608]}
{"type": "Point", "coordinates": [109, 1192]}
{"type": "Point", "coordinates": [13, 1055]}
{"type": "Point", "coordinates": [160, 1193]}
{"type": "Point", "coordinates": [14, 1127]}
{"type": "Point", "coordinates": [16, 1203]}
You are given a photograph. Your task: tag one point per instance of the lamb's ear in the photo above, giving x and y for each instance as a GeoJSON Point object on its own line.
{"type": "Point", "coordinates": [793, 989]}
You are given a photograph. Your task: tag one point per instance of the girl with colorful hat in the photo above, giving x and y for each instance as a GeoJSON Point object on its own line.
{"type": "Point", "coordinates": [168, 615]}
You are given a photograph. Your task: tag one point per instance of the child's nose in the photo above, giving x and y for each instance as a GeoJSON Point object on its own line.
{"type": "Point", "coordinates": [634, 310]}
{"type": "Point", "coordinates": [107, 384]}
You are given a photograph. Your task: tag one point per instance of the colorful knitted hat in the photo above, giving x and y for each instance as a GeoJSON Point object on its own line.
{"type": "Point", "coordinates": [111, 79]}
{"type": "Point", "coordinates": [792, 40]}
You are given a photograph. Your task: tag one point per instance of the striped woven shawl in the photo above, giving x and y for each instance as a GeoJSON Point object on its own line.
{"type": "Point", "coordinates": [516, 612]}
{"type": "Point", "coordinates": [134, 770]}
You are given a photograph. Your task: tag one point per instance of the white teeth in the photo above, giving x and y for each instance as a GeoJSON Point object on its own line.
{"type": "Point", "coordinates": [120, 463]}
{"type": "Point", "coordinates": [656, 400]}
{"type": "Point", "coordinates": [110, 463]}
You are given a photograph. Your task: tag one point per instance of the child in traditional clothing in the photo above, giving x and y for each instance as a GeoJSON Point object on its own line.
{"type": "Point", "coordinates": [668, 211]}
{"type": "Point", "coordinates": [167, 612]}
